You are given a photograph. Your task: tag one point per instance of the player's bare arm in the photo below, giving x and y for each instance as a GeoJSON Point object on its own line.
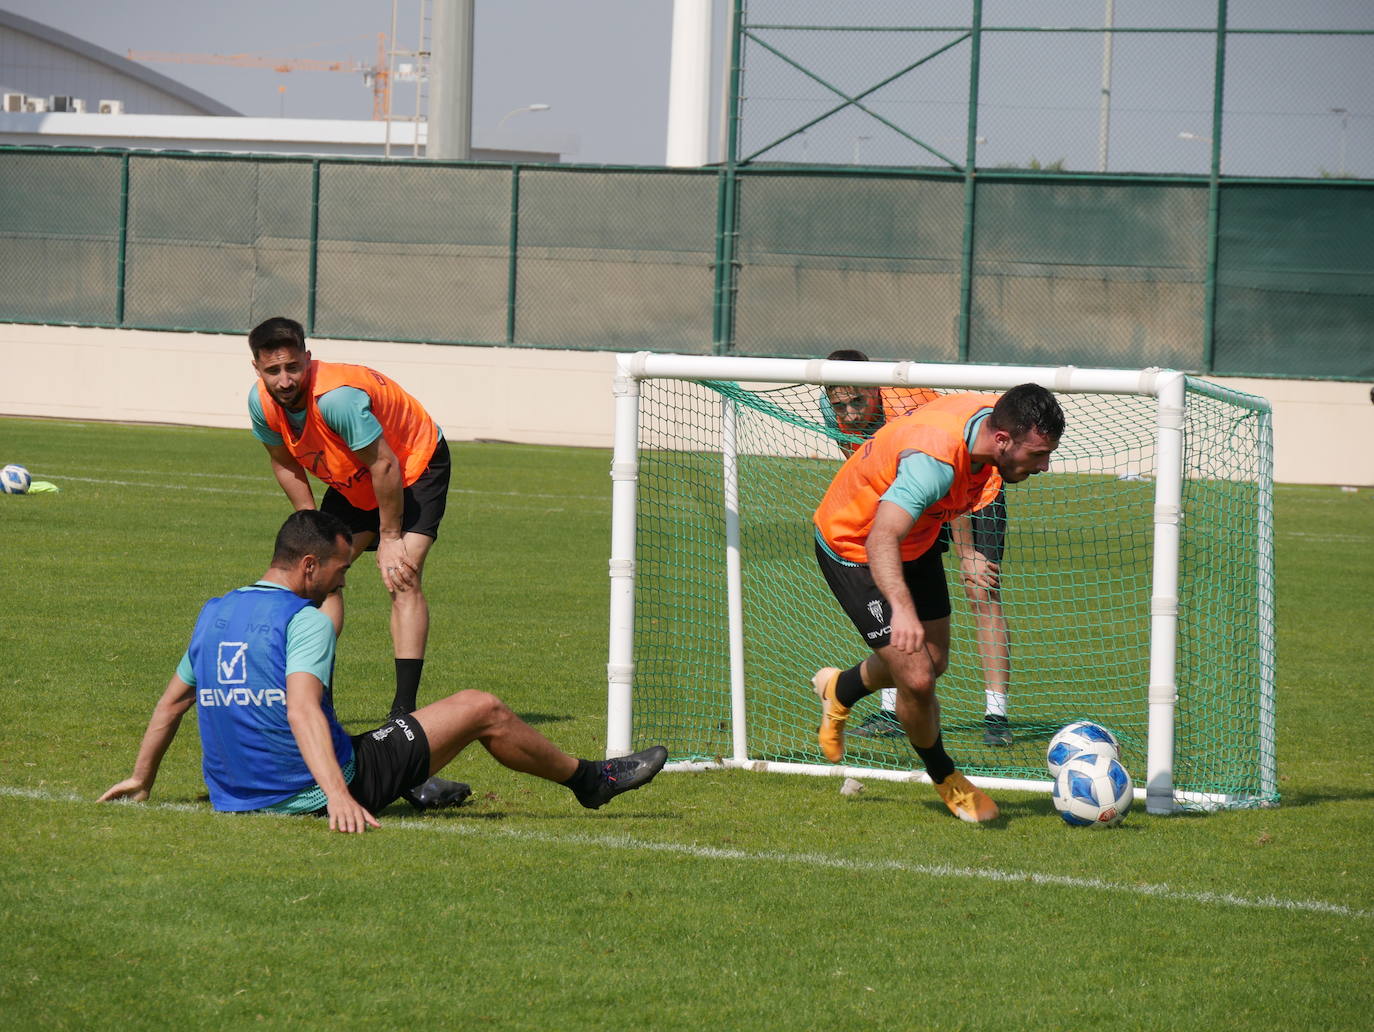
{"type": "Point", "coordinates": [162, 728]}
{"type": "Point", "coordinates": [398, 570]}
{"type": "Point", "coordinates": [891, 524]}
{"type": "Point", "coordinates": [975, 569]}
{"type": "Point", "coordinates": [310, 728]}
{"type": "Point", "coordinates": [291, 476]}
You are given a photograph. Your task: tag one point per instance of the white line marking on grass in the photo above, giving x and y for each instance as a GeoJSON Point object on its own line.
{"type": "Point", "coordinates": [625, 842]}
{"type": "Point", "coordinates": [1341, 539]}
{"type": "Point", "coordinates": [171, 485]}
{"type": "Point", "coordinates": [162, 485]}
{"type": "Point", "coordinates": [634, 845]}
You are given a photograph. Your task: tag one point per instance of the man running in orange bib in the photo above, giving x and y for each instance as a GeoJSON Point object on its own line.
{"type": "Point", "coordinates": [874, 531]}
{"type": "Point", "coordinates": [385, 466]}
{"type": "Point", "coordinates": [979, 539]}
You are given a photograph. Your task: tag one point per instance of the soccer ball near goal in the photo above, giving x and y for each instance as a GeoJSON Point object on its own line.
{"type": "Point", "coordinates": [1093, 791]}
{"type": "Point", "coordinates": [15, 479]}
{"type": "Point", "coordinates": [1082, 736]}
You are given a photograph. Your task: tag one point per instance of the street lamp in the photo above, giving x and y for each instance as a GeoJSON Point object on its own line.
{"type": "Point", "coordinates": [1198, 137]}
{"type": "Point", "coordinates": [1345, 122]}
{"type": "Point", "coordinates": [521, 110]}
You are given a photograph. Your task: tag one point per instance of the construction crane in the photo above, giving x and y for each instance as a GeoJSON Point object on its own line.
{"type": "Point", "coordinates": [377, 76]}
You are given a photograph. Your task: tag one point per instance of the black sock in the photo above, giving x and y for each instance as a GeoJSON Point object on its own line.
{"type": "Point", "coordinates": [849, 688]}
{"type": "Point", "coordinates": [584, 779]}
{"type": "Point", "coordinates": [938, 764]}
{"type": "Point", "coordinates": [407, 685]}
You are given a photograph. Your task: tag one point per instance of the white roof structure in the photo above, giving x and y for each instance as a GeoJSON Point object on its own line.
{"type": "Point", "coordinates": [208, 133]}
{"type": "Point", "coordinates": [313, 136]}
{"type": "Point", "coordinates": [39, 61]}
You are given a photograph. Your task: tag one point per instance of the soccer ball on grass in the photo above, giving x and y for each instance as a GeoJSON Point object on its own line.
{"type": "Point", "coordinates": [1082, 736]}
{"type": "Point", "coordinates": [1093, 791]}
{"type": "Point", "coordinates": [15, 480]}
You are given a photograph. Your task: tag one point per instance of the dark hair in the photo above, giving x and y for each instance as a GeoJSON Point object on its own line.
{"type": "Point", "coordinates": [847, 355]}
{"type": "Point", "coordinates": [1025, 408]}
{"type": "Point", "coordinates": [274, 333]}
{"type": "Point", "coordinates": [308, 532]}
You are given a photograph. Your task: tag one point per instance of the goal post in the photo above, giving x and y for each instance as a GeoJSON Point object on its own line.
{"type": "Point", "coordinates": [1137, 581]}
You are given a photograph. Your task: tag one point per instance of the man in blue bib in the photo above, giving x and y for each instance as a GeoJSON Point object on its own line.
{"type": "Point", "coordinates": [259, 669]}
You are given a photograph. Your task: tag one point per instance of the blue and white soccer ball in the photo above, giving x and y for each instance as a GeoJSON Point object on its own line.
{"type": "Point", "coordinates": [1093, 791]}
{"type": "Point", "coordinates": [15, 479]}
{"type": "Point", "coordinates": [1082, 736]}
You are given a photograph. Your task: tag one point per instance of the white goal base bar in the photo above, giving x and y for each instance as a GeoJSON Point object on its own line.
{"type": "Point", "coordinates": [1196, 800]}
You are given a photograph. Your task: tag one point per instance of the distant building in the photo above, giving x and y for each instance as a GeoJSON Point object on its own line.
{"type": "Point", "coordinates": [40, 63]}
{"type": "Point", "coordinates": [60, 91]}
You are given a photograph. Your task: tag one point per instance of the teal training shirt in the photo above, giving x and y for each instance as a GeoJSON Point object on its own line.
{"type": "Point", "coordinates": [922, 480]}
{"type": "Point", "coordinates": [345, 410]}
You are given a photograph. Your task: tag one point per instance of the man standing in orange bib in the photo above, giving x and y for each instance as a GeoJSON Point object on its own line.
{"type": "Point", "coordinates": [385, 466]}
{"type": "Point", "coordinates": [874, 531]}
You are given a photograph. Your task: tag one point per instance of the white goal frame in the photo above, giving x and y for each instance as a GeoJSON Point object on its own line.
{"type": "Point", "coordinates": [1167, 387]}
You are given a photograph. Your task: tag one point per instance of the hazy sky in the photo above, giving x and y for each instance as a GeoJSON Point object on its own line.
{"type": "Point", "coordinates": [602, 65]}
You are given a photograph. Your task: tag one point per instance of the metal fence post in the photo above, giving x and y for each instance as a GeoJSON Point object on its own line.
{"type": "Point", "coordinates": [1209, 303]}
{"type": "Point", "coordinates": [122, 266]}
{"type": "Point", "coordinates": [723, 321]}
{"type": "Point", "coordinates": [312, 276]}
{"type": "Point", "coordinates": [514, 250]}
{"type": "Point", "coordinates": [970, 183]}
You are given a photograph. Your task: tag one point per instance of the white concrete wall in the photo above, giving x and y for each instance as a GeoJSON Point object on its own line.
{"type": "Point", "coordinates": [1322, 430]}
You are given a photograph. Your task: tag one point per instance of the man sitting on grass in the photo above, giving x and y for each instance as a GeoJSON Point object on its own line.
{"type": "Point", "coordinates": [259, 667]}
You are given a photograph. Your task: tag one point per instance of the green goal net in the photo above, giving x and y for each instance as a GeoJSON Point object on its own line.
{"type": "Point", "coordinates": [1170, 648]}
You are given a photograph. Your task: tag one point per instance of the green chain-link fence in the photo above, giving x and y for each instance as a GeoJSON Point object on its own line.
{"type": "Point", "coordinates": [973, 190]}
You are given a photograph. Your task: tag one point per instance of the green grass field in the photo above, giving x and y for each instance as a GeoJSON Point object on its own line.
{"type": "Point", "coordinates": [720, 900]}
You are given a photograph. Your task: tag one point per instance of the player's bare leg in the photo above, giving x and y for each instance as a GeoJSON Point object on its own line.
{"type": "Point", "coordinates": [874, 674]}
{"type": "Point", "coordinates": [453, 723]}
{"type": "Point", "coordinates": [918, 708]}
{"type": "Point", "coordinates": [409, 649]}
{"type": "Point", "coordinates": [409, 607]}
{"type": "Point", "coordinates": [994, 654]}
{"type": "Point", "coordinates": [475, 716]}
{"type": "Point", "coordinates": [914, 674]}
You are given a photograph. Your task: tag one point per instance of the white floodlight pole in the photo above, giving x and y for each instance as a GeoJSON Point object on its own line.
{"type": "Point", "coordinates": [620, 665]}
{"type": "Point", "coordinates": [450, 82]}
{"type": "Point", "coordinates": [390, 81]}
{"type": "Point", "coordinates": [1104, 115]}
{"type": "Point", "coordinates": [1163, 688]}
{"type": "Point", "coordinates": [689, 85]}
{"type": "Point", "coordinates": [734, 587]}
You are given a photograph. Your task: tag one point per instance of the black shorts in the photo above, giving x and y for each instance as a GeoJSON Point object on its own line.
{"type": "Point", "coordinates": [989, 529]}
{"type": "Point", "coordinates": [425, 501]}
{"type": "Point", "coordinates": [852, 585]}
{"type": "Point", "coordinates": [389, 760]}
